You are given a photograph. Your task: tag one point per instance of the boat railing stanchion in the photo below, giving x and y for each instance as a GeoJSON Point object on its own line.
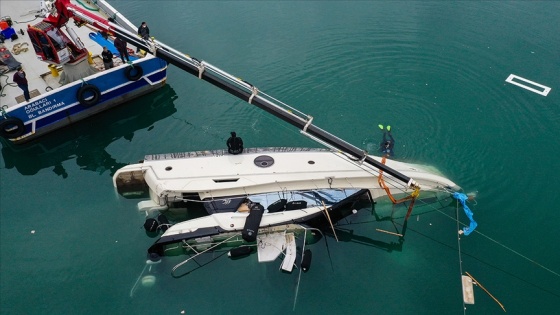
{"type": "Point", "coordinates": [202, 252]}
{"type": "Point", "coordinates": [305, 229]}
{"type": "Point", "coordinates": [300, 269]}
{"type": "Point", "coordinates": [148, 263]}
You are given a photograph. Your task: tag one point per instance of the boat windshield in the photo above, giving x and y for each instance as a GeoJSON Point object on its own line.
{"type": "Point", "coordinates": [289, 199]}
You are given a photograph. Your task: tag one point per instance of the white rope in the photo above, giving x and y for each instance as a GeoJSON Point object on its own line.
{"type": "Point", "coordinates": [254, 91]}
{"type": "Point", "coordinates": [309, 121]}
{"type": "Point", "coordinates": [201, 70]}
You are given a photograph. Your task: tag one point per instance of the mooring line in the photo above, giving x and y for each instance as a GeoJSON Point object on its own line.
{"type": "Point", "coordinates": [500, 244]}
{"type": "Point", "coordinates": [521, 255]}
{"type": "Point", "coordinates": [459, 251]}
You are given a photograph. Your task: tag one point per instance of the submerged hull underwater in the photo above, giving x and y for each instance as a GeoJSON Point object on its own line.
{"type": "Point", "coordinates": [313, 187]}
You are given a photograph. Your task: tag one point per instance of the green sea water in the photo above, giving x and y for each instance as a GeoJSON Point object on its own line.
{"type": "Point", "coordinates": [434, 71]}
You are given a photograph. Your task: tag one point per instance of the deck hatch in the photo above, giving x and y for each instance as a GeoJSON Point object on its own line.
{"type": "Point", "coordinates": [264, 161]}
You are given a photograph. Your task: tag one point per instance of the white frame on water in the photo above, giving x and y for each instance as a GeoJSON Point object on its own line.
{"type": "Point", "coordinates": [545, 89]}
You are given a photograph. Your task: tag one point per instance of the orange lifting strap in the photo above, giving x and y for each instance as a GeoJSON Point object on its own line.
{"type": "Point", "coordinates": [412, 196]}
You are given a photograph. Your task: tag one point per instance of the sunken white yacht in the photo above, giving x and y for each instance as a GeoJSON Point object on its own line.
{"type": "Point", "coordinates": [262, 187]}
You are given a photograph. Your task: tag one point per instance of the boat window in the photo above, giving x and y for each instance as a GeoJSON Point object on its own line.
{"type": "Point", "coordinates": [223, 205]}
{"type": "Point", "coordinates": [227, 180]}
{"type": "Point", "coordinates": [56, 38]}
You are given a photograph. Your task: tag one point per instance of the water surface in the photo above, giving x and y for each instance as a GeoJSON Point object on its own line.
{"type": "Point", "coordinates": [434, 71]}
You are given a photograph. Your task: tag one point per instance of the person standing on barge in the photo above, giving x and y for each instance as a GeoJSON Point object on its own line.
{"type": "Point", "coordinates": [107, 56]}
{"type": "Point", "coordinates": [120, 45]}
{"type": "Point", "coordinates": [21, 81]}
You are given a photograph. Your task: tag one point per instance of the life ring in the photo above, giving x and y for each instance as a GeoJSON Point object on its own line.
{"type": "Point", "coordinates": [11, 128]}
{"type": "Point", "coordinates": [134, 72]}
{"type": "Point", "coordinates": [88, 95]}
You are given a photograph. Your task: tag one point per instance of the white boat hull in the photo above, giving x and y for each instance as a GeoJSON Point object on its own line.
{"type": "Point", "coordinates": [212, 175]}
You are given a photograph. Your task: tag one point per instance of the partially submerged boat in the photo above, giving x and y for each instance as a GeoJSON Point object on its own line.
{"type": "Point", "coordinates": [259, 188]}
{"type": "Point", "coordinates": [66, 75]}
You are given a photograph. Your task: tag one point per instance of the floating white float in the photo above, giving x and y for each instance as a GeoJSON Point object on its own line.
{"type": "Point", "coordinates": [542, 91]}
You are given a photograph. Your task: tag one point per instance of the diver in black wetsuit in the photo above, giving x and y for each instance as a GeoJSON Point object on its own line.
{"type": "Point", "coordinates": [387, 145]}
{"type": "Point", "coordinates": [234, 144]}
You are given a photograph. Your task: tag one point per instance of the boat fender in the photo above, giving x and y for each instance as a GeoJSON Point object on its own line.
{"type": "Point", "coordinates": [151, 225]}
{"type": "Point", "coordinates": [163, 222]}
{"type": "Point", "coordinates": [296, 204]}
{"type": "Point", "coordinates": [240, 251]}
{"type": "Point", "coordinates": [88, 95]}
{"type": "Point", "coordinates": [252, 222]}
{"type": "Point", "coordinates": [11, 127]}
{"type": "Point", "coordinates": [277, 206]}
{"type": "Point", "coordinates": [306, 260]}
{"type": "Point", "coordinates": [154, 257]}
{"type": "Point", "coordinates": [134, 72]}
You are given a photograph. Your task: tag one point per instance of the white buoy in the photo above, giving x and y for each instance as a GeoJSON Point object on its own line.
{"type": "Point", "coordinates": [148, 281]}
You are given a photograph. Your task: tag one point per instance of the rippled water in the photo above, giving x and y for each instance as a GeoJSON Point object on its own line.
{"type": "Point", "coordinates": [434, 71]}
